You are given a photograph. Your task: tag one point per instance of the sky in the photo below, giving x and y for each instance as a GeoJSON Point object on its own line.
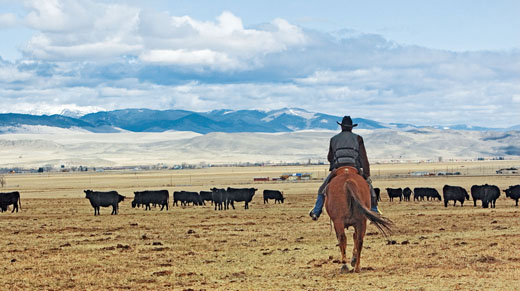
{"type": "Point", "coordinates": [419, 62]}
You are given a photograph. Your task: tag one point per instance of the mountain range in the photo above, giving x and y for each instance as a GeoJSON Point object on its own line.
{"type": "Point", "coordinates": [149, 137]}
{"type": "Point", "coordinates": [228, 121]}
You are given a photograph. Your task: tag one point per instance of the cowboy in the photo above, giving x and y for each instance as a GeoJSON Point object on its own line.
{"type": "Point", "coordinates": [346, 149]}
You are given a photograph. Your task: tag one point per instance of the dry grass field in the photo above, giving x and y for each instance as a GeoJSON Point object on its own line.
{"type": "Point", "coordinates": [56, 242]}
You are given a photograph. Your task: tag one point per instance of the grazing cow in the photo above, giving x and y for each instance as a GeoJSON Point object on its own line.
{"type": "Point", "coordinates": [104, 199]}
{"type": "Point", "coordinates": [395, 193]}
{"type": "Point", "coordinates": [10, 198]}
{"type": "Point", "coordinates": [186, 197]}
{"type": "Point", "coordinates": [419, 193]}
{"type": "Point", "coordinates": [239, 195]}
{"type": "Point", "coordinates": [378, 194]}
{"type": "Point", "coordinates": [273, 194]}
{"type": "Point", "coordinates": [219, 198]}
{"type": "Point", "coordinates": [407, 192]}
{"type": "Point", "coordinates": [487, 193]}
{"type": "Point", "coordinates": [138, 200]}
{"type": "Point", "coordinates": [160, 197]}
{"type": "Point", "coordinates": [141, 199]}
{"type": "Point", "coordinates": [513, 192]}
{"type": "Point", "coordinates": [206, 196]}
{"type": "Point", "coordinates": [179, 196]}
{"type": "Point", "coordinates": [454, 193]}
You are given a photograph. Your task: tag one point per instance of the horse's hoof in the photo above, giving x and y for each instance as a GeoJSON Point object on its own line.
{"type": "Point", "coordinates": [357, 270]}
{"type": "Point", "coordinates": [353, 261]}
{"type": "Point", "coordinates": [344, 269]}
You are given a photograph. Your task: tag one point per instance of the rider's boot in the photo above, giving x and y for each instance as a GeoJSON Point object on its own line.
{"type": "Point", "coordinates": [316, 211]}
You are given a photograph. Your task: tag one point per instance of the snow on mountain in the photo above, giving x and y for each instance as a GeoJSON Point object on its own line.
{"type": "Point", "coordinates": [289, 111]}
{"type": "Point", "coordinates": [77, 112]}
{"type": "Point", "coordinates": [69, 110]}
{"type": "Point", "coordinates": [223, 120]}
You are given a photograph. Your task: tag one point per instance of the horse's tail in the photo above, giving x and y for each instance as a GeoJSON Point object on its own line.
{"type": "Point", "coordinates": [382, 223]}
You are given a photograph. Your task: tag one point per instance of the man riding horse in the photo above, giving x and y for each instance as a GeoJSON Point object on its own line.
{"type": "Point", "coordinates": [346, 149]}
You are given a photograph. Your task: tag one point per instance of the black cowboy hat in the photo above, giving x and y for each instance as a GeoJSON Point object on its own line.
{"type": "Point", "coordinates": [347, 121]}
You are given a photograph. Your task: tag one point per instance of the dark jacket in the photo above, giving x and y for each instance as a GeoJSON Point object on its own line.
{"type": "Point", "coordinates": [342, 152]}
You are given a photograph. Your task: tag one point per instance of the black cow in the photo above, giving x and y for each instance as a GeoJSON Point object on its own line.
{"type": "Point", "coordinates": [419, 193]}
{"type": "Point", "coordinates": [407, 192]}
{"type": "Point", "coordinates": [395, 193]}
{"type": "Point", "coordinates": [378, 193]}
{"type": "Point", "coordinates": [219, 198]}
{"type": "Point", "coordinates": [141, 199]}
{"type": "Point", "coordinates": [138, 200]}
{"type": "Point", "coordinates": [179, 196]}
{"type": "Point", "coordinates": [10, 198]}
{"type": "Point", "coordinates": [186, 197]}
{"type": "Point", "coordinates": [239, 195]}
{"type": "Point", "coordinates": [454, 193]}
{"type": "Point", "coordinates": [206, 196]}
{"type": "Point", "coordinates": [487, 193]}
{"type": "Point", "coordinates": [273, 194]}
{"type": "Point", "coordinates": [104, 199]}
{"type": "Point", "coordinates": [148, 197]}
{"type": "Point", "coordinates": [513, 192]}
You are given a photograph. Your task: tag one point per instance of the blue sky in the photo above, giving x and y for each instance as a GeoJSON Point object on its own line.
{"type": "Point", "coordinates": [421, 62]}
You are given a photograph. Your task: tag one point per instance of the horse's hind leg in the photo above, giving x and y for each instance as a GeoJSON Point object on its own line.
{"type": "Point", "coordinates": [358, 244]}
{"type": "Point", "coordinates": [354, 255]}
{"type": "Point", "coordinates": [339, 227]}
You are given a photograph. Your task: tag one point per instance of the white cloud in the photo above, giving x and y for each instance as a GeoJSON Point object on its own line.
{"type": "Point", "coordinates": [56, 15]}
{"type": "Point", "coordinates": [7, 20]}
{"type": "Point", "coordinates": [88, 30]}
{"type": "Point", "coordinates": [212, 59]}
{"type": "Point", "coordinates": [42, 48]}
{"type": "Point", "coordinates": [221, 45]}
{"type": "Point", "coordinates": [92, 54]}
{"type": "Point", "coordinates": [81, 30]}
{"type": "Point", "coordinates": [10, 73]}
{"type": "Point", "coordinates": [464, 71]}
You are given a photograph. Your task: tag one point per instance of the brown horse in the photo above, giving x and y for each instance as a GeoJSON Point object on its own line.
{"type": "Point", "coordinates": [347, 202]}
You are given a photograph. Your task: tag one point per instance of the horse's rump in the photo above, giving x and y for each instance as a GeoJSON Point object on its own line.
{"type": "Point", "coordinates": [350, 195]}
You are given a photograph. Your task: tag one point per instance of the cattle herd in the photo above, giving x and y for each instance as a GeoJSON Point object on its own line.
{"type": "Point", "coordinates": [488, 194]}
{"type": "Point", "coordinates": [222, 198]}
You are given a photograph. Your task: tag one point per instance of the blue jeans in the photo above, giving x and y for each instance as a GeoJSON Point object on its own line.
{"type": "Point", "coordinates": [320, 200]}
{"type": "Point", "coordinates": [319, 205]}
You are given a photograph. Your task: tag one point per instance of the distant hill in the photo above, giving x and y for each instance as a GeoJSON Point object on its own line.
{"type": "Point", "coordinates": [174, 148]}
{"type": "Point", "coordinates": [229, 121]}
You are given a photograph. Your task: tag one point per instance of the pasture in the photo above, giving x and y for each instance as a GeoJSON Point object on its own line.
{"type": "Point", "coordinates": [56, 243]}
